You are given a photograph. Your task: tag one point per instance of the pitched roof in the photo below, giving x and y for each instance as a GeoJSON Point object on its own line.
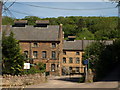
{"type": "Point", "coordinates": [81, 44]}
{"type": "Point", "coordinates": [72, 45]}
{"type": "Point", "coordinates": [29, 33]}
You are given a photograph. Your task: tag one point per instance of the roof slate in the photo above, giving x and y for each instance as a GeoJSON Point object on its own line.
{"type": "Point", "coordinates": [81, 44]}
{"type": "Point", "coordinates": [29, 33]}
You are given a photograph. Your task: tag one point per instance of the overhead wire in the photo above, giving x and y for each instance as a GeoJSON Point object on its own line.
{"type": "Point", "coordinates": [39, 6]}
{"type": "Point", "coordinates": [5, 2]}
{"type": "Point", "coordinates": [21, 12]}
{"type": "Point", "coordinates": [62, 8]}
{"type": "Point", "coordinates": [9, 6]}
{"type": "Point", "coordinates": [11, 14]}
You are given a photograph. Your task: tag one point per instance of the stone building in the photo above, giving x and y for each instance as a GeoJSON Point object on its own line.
{"type": "Point", "coordinates": [45, 43]}
{"type": "Point", "coordinates": [72, 54]}
{"type": "Point", "coordinates": [40, 43]}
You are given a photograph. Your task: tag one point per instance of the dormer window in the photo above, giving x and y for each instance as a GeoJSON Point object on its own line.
{"type": "Point", "coordinates": [71, 38]}
{"type": "Point", "coordinates": [20, 23]}
{"type": "Point", "coordinates": [42, 23]}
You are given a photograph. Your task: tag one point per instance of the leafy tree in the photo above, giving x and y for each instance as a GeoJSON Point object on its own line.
{"type": "Point", "coordinates": [102, 28]}
{"type": "Point", "coordinates": [7, 20]}
{"type": "Point", "coordinates": [85, 34]}
{"type": "Point", "coordinates": [31, 19]}
{"type": "Point", "coordinates": [102, 58]}
{"type": "Point", "coordinates": [41, 66]}
{"type": "Point", "coordinates": [12, 57]}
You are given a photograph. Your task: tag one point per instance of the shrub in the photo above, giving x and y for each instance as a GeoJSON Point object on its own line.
{"type": "Point", "coordinates": [32, 70]}
{"type": "Point", "coordinates": [82, 79]}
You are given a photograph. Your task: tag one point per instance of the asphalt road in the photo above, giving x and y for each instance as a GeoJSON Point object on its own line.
{"type": "Point", "coordinates": [111, 81]}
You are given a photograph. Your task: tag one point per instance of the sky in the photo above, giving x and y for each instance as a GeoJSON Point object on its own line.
{"type": "Point", "coordinates": [56, 9]}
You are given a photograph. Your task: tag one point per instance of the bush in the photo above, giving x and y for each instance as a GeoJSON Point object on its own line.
{"type": "Point", "coordinates": [39, 68]}
{"type": "Point", "coordinates": [82, 79]}
{"type": "Point", "coordinates": [32, 70]}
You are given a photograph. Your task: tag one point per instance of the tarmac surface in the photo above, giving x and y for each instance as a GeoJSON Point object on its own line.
{"type": "Point", "coordinates": [111, 81]}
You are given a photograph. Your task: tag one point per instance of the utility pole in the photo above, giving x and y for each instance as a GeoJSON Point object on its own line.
{"type": "Point", "coordinates": [118, 9]}
{"type": "Point", "coordinates": [1, 3]}
{"type": "Point", "coordinates": [118, 26]}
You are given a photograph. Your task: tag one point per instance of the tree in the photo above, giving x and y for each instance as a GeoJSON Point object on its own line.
{"type": "Point", "coordinates": [12, 58]}
{"type": "Point", "coordinates": [7, 20]}
{"type": "Point", "coordinates": [31, 19]}
{"type": "Point", "coordinates": [93, 54]}
{"type": "Point", "coordinates": [85, 34]}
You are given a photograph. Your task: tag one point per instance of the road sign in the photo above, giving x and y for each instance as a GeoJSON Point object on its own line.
{"type": "Point", "coordinates": [85, 62]}
{"type": "Point", "coordinates": [26, 65]}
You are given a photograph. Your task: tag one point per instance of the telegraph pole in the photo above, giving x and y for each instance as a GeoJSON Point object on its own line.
{"type": "Point", "coordinates": [1, 3]}
{"type": "Point", "coordinates": [118, 9]}
{"type": "Point", "coordinates": [118, 17]}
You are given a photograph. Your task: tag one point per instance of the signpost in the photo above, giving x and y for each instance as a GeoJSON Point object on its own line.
{"type": "Point", "coordinates": [86, 62]}
{"type": "Point", "coordinates": [26, 65]}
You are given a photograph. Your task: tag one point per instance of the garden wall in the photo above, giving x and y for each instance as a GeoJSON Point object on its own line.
{"type": "Point", "coordinates": [8, 80]}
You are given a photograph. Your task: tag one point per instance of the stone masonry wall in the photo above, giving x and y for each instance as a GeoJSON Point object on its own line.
{"type": "Point", "coordinates": [8, 80]}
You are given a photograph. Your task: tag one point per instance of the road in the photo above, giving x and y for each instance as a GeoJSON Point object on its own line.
{"type": "Point", "coordinates": [111, 81]}
{"type": "Point", "coordinates": [66, 83]}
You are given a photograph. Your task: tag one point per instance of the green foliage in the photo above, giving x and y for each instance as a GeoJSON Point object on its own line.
{"type": "Point", "coordinates": [31, 19]}
{"type": "Point", "coordinates": [39, 68]}
{"type": "Point", "coordinates": [7, 20]}
{"type": "Point", "coordinates": [98, 28]}
{"type": "Point", "coordinates": [92, 52]}
{"type": "Point", "coordinates": [82, 79]}
{"type": "Point", "coordinates": [11, 55]}
{"type": "Point", "coordinates": [85, 34]}
{"type": "Point", "coordinates": [32, 70]}
{"type": "Point", "coordinates": [102, 58]}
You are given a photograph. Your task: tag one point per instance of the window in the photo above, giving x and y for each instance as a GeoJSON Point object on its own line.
{"type": "Point", "coordinates": [77, 69]}
{"type": "Point", "coordinates": [44, 54]}
{"type": "Point", "coordinates": [70, 60]}
{"type": "Point", "coordinates": [64, 60]}
{"type": "Point", "coordinates": [26, 54]}
{"type": "Point", "coordinates": [77, 60]}
{"type": "Point", "coordinates": [53, 55]}
{"type": "Point", "coordinates": [52, 67]}
{"type": "Point", "coordinates": [53, 45]}
{"type": "Point", "coordinates": [70, 68]}
{"type": "Point", "coordinates": [64, 53]}
{"type": "Point", "coordinates": [77, 53]}
{"type": "Point", "coordinates": [35, 44]}
{"type": "Point", "coordinates": [35, 54]}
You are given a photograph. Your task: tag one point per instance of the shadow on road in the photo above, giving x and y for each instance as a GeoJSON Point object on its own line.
{"type": "Point", "coordinates": [114, 75]}
{"type": "Point", "coordinates": [70, 79]}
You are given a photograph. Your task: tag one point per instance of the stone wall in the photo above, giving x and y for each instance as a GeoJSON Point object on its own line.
{"type": "Point", "coordinates": [8, 80]}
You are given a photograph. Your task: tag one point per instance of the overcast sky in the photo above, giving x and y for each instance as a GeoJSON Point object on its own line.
{"type": "Point", "coordinates": [56, 9]}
